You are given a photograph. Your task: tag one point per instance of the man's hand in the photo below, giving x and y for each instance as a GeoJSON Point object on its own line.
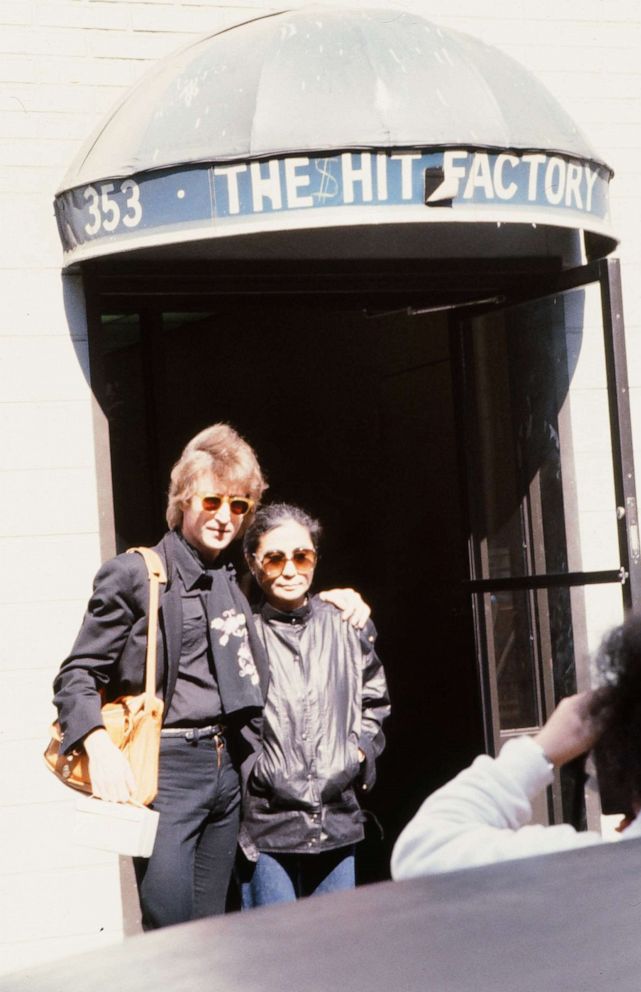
{"type": "Point", "coordinates": [353, 606]}
{"type": "Point", "coordinates": [110, 773]}
{"type": "Point", "coordinates": [570, 731]}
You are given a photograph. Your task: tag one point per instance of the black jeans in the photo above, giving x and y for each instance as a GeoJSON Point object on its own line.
{"type": "Point", "coordinates": [188, 874]}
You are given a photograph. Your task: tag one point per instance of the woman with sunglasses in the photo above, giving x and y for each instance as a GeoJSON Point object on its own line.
{"type": "Point", "coordinates": [211, 675]}
{"type": "Point", "coordinates": [326, 702]}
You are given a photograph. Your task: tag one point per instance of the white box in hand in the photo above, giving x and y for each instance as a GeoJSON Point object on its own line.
{"type": "Point", "coordinates": [118, 827]}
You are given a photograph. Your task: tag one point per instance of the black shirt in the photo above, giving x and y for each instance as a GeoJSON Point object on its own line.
{"type": "Point", "coordinates": [196, 699]}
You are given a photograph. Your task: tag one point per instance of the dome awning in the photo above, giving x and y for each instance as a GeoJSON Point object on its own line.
{"type": "Point", "coordinates": [326, 116]}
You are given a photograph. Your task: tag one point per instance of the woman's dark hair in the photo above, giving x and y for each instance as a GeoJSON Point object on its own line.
{"type": "Point", "coordinates": [617, 705]}
{"type": "Point", "coordinates": [273, 515]}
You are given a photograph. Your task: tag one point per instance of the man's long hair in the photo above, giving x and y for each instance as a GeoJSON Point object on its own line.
{"type": "Point", "coordinates": [221, 450]}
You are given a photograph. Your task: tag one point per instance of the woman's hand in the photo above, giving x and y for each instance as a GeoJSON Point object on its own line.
{"type": "Point", "coordinates": [570, 731]}
{"type": "Point", "coordinates": [351, 603]}
{"type": "Point", "coordinates": [110, 773]}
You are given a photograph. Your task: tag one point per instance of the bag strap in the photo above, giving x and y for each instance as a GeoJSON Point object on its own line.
{"type": "Point", "coordinates": [157, 575]}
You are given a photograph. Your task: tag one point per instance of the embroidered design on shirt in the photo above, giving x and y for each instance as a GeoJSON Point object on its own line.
{"type": "Point", "coordinates": [246, 663]}
{"type": "Point", "coordinates": [233, 624]}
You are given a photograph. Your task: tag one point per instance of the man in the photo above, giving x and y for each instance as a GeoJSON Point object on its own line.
{"type": "Point", "coordinates": [211, 675]}
{"type": "Point", "coordinates": [482, 815]}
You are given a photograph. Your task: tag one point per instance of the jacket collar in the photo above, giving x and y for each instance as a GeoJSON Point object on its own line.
{"type": "Point", "coordinates": [297, 617]}
{"type": "Point", "coordinates": [193, 571]}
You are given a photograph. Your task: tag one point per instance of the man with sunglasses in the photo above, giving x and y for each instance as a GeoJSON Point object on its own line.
{"type": "Point", "coordinates": [211, 675]}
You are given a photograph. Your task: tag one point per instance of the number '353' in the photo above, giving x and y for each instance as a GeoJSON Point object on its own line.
{"type": "Point", "coordinates": [106, 212]}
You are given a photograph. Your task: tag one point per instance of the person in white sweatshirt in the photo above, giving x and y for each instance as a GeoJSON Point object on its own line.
{"type": "Point", "coordinates": [483, 815]}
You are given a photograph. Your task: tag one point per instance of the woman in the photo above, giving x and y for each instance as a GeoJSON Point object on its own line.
{"type": "Point", "coordinates": [326, 702]}
{"type": "Point", "coordinates": [211, 676]}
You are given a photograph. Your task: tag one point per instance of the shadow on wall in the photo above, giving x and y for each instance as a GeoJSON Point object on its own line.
{"type": "Point", "coordinates": [76, 314]}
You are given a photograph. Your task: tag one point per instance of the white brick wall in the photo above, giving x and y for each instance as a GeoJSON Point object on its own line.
{"type": "Point", "coordinates": [62, 66]}
{"type": "Point", "coordinates": [63, 63]}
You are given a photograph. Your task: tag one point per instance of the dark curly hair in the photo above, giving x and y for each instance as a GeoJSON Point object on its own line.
{"type": "Point", "coordinates": [617, 706]}
{"type": "Point", "coordinates": [273, 515]}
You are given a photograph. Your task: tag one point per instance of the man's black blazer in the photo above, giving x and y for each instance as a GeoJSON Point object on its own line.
{"type": "Point", "coordinates": [107, 659]}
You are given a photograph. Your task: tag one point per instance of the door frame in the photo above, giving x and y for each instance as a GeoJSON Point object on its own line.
{"type": "Point", "coordinates": [606, 273]}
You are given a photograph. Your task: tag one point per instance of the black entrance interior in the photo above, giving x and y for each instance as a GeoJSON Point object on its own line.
{"type": "Point", "coordinates": [353, 416]}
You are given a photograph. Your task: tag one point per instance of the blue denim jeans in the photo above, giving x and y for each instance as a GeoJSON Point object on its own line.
{"type": "Point", "coordinates": [287, 877]}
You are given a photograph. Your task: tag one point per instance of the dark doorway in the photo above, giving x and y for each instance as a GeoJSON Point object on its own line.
{"type": "Point", "coordinates": [353, 417]}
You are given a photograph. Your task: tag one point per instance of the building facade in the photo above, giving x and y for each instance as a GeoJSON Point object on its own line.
{"type": "Point", "coordinates": [66, 418]}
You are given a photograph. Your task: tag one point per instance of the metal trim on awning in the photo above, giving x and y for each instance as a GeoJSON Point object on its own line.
{"type": "Point", "coordinates": [329, 118]}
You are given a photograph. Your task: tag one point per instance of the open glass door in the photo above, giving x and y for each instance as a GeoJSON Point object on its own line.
{"type": "Point", "coordinates": [554, 547]}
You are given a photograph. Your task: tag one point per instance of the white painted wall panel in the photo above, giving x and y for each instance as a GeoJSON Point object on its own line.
{"type": "Point", "coordinates": [44, 436]}
{"type": "Point", "coordinates": [51, 624]}
{"type": "Point", "coordinates": [64, 567]}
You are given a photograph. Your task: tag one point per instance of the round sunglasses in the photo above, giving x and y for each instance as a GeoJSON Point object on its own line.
{"type": "Point", "coordinates": [272, 563]}
{"type": "Point", "coordinates": [212, 502]}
